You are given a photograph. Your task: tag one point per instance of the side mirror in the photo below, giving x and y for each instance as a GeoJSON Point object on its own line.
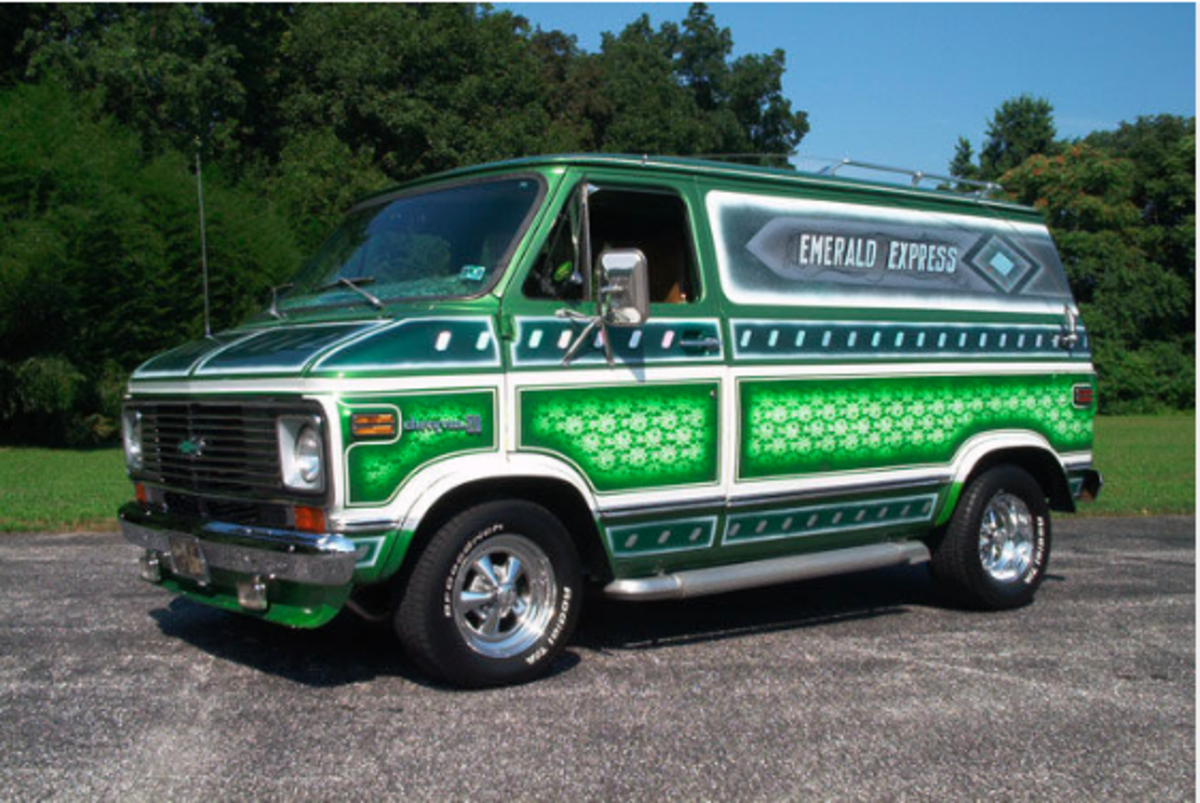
{"type": "Point", "coordinates": [625, 286]}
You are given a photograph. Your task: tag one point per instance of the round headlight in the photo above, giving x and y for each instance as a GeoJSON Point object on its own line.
{"type": "Point", "coordinates": [308, 455]}
{"type": "Point", "coordinates": [131, 429]}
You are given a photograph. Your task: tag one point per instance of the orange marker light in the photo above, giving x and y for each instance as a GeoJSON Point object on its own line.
{"type": "Point", "coordinates": [310, 519]}
{"type": "Point", "coordinates": [373, 425]}
{"type": "Point", "coordinates": [139, 491]}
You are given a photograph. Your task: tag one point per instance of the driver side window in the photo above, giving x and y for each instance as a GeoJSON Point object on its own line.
{"type": "Point", "coordinates": [654, 222]}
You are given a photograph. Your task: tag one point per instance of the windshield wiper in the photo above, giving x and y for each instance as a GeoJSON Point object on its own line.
{"type": "Point", "coordinates": [273, 310]}
{"type": "Point", "coordinates": [353, 284]}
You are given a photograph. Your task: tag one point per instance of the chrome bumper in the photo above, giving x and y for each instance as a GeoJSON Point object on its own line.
{"type": "Point", "coordinates": [322, 559]}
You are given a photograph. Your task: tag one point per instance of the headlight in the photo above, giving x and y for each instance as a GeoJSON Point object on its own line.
{"type": "Point", "coordinates": [302, 452]}
{"type": "Point", "coordinates": [308, 455]}
{"type": "Point", "coordinates": [131, 434]}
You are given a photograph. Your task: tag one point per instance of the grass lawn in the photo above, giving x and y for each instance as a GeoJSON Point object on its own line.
{"type": "Point", "coordinates": [61, 489]}
{"type": "Point", "coordinates": [1148, 462]}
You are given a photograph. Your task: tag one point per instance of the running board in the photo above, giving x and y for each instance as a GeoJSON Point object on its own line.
{"type": "Point", "coordinates": [719, 579]}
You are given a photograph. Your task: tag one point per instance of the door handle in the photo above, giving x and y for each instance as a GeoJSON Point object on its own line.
{"type": "Point", "coordinates": [697, 343]}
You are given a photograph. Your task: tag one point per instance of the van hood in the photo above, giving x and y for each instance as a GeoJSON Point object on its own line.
{"type": "Point", "coordinates": [351, 348]}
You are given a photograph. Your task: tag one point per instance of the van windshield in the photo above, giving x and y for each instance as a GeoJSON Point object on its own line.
{"type": "Point", "coordinates": [443, 243]}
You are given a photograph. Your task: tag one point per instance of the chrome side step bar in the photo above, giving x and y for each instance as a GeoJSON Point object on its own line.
{"type": "Point", "coordinates": [719, 579]}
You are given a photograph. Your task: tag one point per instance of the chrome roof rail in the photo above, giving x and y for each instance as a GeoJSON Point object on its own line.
{"type": "Point", "coordinates": [983, 187]}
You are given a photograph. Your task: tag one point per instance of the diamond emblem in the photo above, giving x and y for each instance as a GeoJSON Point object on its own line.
{"type": "Point", "coordinates": [1002, 264]}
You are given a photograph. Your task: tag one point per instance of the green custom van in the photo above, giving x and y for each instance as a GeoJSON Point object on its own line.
{"type": "Point", "coordinates": [667, 378]}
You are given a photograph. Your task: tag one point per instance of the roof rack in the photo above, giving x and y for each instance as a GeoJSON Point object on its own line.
{"type": "Point", "coordinates": [983, 187]}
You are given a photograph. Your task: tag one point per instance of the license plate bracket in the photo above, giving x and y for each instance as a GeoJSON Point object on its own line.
{"type": "Point", "coordinates": [187, 558]}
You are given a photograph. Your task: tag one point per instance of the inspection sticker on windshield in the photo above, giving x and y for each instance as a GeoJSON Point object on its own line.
{"type": "Point", "coordinates": [472, 273]}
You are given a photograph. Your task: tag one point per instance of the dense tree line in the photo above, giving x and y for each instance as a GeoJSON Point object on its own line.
{"type": "Point", "coordinates": [1122, 208]}
{"type": "Point", "coordinates": [297, 110]}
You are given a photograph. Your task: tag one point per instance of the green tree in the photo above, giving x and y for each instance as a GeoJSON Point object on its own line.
{"type": "Point", "coordinates": [160, 69]}
{"type": "Point", "coordinates": [99, 252]}
{"type": "Point", "coordinates": [1020, 127]}
{"type": "Point", "coordinates": [427, 88]}
{"type": "Point", "coordinates": [963, 164]}
{"type": "Point", "coordinates": [1137, 310]}
{"type": "Point", "coordinates": [675, 91]}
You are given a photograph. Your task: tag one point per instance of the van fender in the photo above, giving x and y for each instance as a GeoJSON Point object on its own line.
{"type": "Point", "coordinates": [434, 482]}
{"type": "Point", "coordinates": [980, 447]}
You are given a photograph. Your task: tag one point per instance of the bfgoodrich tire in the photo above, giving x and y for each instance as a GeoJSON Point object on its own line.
{"type": "Point", "coordinates": [493, 598]}
{"type": "Point", "coordinates": [995, 551]}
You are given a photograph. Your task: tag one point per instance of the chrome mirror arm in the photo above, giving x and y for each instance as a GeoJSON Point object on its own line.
{"type": "Point", "coordinates": [1071, 339]}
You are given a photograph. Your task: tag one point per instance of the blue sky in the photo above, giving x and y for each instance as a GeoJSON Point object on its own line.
{"type": "Point", "coordinates": [898, 83]}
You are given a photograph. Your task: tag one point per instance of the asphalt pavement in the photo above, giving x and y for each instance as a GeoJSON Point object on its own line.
{"type": "Point", "coordinates": [861, 687]}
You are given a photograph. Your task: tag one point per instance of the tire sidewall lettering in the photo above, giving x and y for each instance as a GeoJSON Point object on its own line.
{"type": "Point", "coordinates": [1039, 551]}
{"type": "Point", "coordinates": [472, 542]}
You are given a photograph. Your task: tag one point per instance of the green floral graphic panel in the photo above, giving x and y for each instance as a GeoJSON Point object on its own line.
{"type": "Point", "coordinates": [432, 427]}
{"type": "Point", "coordinates": [795, 427]}
{"type": "Point", "coordinates": [646, 436]}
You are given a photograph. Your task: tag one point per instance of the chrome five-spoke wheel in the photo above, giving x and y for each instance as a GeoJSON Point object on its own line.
{"type": "Point", "coordinates": [493, 597]}
{"type": "Point", "coordinates": [1006, 538]}
{"type": "Point", "coordinates": [993, 552]}
{"type": "Point", "coordinates": [504, 596]}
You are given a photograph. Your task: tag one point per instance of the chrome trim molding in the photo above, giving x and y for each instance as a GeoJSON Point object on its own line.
{"type": "Point", "coordinates": [362, 526]}
{"type": "Point", "coordinates": [1077, 460]}
{"type": "Point", "coordinates": [642, 509]}
{"type": "Point", "coordinates": [921, 481]}
{"type": "Point", "coordinates": [720, 579]}
{"type": "Point", "coordinates": [317, 559]}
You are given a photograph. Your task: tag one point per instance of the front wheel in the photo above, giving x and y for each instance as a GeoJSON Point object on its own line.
{"type": "Point", "coordinates": [995, 551]}
{"type": "Point", "coordinates": [494, 597]}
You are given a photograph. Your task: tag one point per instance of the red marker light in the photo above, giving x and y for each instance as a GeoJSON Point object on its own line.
{"type": "Point", "coordinates": [1083, 395]}
{"type": "Point", "coordinates": [310, 519]}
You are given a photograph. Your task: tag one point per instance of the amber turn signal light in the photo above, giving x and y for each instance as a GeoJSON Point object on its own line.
{"type": "Point", "coordinates": [309, 519]}
{"type": "Point", "coordinates": [373, 425]}
{"type": "Point", "coordinates": [139, 491]}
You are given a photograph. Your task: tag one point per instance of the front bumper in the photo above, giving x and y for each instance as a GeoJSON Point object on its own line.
{"type": "Point", "coordinates": [323, 559]}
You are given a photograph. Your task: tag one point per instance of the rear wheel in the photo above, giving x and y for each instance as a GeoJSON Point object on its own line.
{"type": "Point", "coordinates": [494, 597]}
{"type": "Point", "coordinates": [995, 551]}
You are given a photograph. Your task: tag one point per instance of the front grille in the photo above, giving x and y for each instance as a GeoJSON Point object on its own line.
{"type": "Point", "coordinates": [214, 448]}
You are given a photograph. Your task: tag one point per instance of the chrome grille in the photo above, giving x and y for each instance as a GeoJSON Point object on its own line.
{"type": "Point", "coordinates": [212, 448]}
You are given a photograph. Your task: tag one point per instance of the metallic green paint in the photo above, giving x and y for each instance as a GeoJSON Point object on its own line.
{"type": "Point", "coordinates": [792, 427]}
{"type": "Point", "coordinates": [659, 536]}
{"type": "Point", "coordinates": [953, 491]}
{"type": "Point", "coordinates": [846, 341]}
{"type": "Point", "coordinates": [375, 470]}
{"type": "Point", "coordinates": [281, 350]}
{"type": "Point", "coordinates": [640, 437]}
{"type": "Point", "coordinates": [543, 342]}
{"type": "Point", "coordinates": [291, 604]}
{"type": "Point", "coordinates": [180, 360]}
{"type": "Point", "coordinates": [806, 521]}
{"type": "Point", "coordinates": [418, 344]}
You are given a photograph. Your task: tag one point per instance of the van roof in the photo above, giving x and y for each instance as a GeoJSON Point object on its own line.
{"type": "Point", "coordinates": [768, 175]}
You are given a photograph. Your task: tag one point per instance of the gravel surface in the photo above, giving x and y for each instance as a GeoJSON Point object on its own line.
{"type": "Point", "coordinates": [855, 687]}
